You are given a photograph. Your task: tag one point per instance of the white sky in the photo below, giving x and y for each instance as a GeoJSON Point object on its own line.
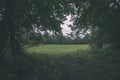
{"type": "Point", "coordinates": [65, 28]}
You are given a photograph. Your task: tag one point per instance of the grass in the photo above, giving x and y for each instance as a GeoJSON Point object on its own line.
{"type": "Point", "coordinates": [57, 49]}
{"type": "Point", "coordinates": [75, 62]}
{"type": "Point", "coordinates": [62, 62]}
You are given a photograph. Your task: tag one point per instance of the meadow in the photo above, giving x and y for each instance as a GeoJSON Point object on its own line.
{"type": "Point", "coordinates": [57, 49]}
{"type": "Point", "coordinates": [74, 62]}
{"type": "Point", "coordinates": [62, 62]}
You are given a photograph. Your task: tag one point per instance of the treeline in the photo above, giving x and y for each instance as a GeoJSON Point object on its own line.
{"type": "Point", "coordinates": [34, 38]}
{"type": "Point", "coordinates": [61, 39]}
{"type": "Point", "coordinates": [101, 17]}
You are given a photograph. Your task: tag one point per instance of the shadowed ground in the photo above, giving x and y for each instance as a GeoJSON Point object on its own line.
{"type": "Point", "coordinates": [62, 62]}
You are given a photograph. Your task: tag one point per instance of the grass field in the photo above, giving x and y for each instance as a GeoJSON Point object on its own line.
{"type": "Point", "coordinates": [57, 49]}
{"type": "Point", "coordinates": [62, 62]}
{"type": "Point", "coordinates": [75, 62]}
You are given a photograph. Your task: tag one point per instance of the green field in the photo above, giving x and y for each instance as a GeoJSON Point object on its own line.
{"type": "Point", "coordinates": [62, 62]}
{"type": "Point", "coordinates": [57, 49]}
{"type": "Point", "coordinates": [74, 62]}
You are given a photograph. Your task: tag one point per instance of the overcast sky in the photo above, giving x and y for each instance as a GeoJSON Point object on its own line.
{"type": "Point", "coordinates": [65, 27]}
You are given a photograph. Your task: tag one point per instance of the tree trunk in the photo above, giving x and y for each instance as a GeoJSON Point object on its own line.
{"type": "Point", "coordinates": [8, 29]}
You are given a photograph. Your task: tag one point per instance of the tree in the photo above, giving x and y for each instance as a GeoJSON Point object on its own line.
{"type": "Point", "coordinates": [17, 14]}
{"type": "Point", "coordinates": [102, 18]}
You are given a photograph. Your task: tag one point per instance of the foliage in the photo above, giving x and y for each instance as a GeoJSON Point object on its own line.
{"type": "Point", "coordinates": [19, 17]}
{"type": "Point", "coordinates": [101, 18]}
{"type": "Point", "coordinates": [61, 66]}
{"type": "Point", "coordinates": [59, 38]}
{"type": "Point", "coordinates": [77, 65]}
{"type": "Point", "coordinates": [28, 14]}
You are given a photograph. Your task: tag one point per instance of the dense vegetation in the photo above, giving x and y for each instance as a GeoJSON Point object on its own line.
{"type": "Point", "coordinates": [81, 64]}
{"type": "Point", "coordinates": [59, 38]}
{"type": "Point", "coordinates": [23, 21]}
{"type": "Point", "coordinates": [77, 64]}
{"type": "Point", "coordinates": [101, 18]}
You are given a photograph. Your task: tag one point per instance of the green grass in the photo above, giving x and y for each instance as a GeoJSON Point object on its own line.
{"type": "Point", "coordinates": [57, 49]}
{"type": "Point", "coordinates": [75, 62]}
{"type": "Point", "coordinates": [62, 62]}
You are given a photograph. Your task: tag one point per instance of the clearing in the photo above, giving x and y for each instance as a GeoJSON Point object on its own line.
{"type": "Point", "coordinates": [74, 62]}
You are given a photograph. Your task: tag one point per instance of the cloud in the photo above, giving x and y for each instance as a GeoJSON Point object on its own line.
{"type": "Point", "coordinates": [65, 27]}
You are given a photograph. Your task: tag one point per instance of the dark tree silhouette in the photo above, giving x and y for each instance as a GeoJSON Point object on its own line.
{"type": "Point", "coordinates": [102, 17]}
{"type": "Point", "coordinates": [18, 14]}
